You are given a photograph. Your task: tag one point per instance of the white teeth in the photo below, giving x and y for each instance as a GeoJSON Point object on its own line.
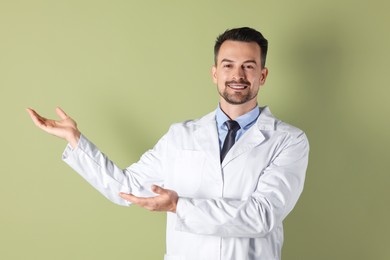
{"type": "Point", "coordinates": [237, 87]}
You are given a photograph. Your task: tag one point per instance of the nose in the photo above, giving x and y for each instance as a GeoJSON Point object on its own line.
{"type": "Point", "coordinates": [239, 73]}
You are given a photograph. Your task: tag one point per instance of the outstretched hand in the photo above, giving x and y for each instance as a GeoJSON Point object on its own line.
{"type": "Point", "coordinates": [66, 128]}
{"type": "Point", "coordinates": [165, 201]}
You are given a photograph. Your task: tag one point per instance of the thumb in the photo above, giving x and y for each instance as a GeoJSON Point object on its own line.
{"type": "Point", "coordinates": [157, 189]}
{"type": "Point", "coordinates": [61, 113]}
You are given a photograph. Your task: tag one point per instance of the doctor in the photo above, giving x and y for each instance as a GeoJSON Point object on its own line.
{"type": "Point", "coordinates": [227, 180]}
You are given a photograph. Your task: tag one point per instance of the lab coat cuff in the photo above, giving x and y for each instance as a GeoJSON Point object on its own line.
{"type": "Point", "coordinates": [182, 208]}
{"type": "Point", "coordinates": [84, 146]}
{"type": "Point", "coordinates": [69, 149]}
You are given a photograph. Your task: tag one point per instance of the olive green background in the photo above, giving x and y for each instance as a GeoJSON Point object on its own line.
{"type": "Point", "coordinates": [126, 70]}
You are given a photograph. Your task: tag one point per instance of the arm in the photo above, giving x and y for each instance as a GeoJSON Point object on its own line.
{"type": "Point", "coordinates": [110, 180]}
{"type": "Point", "coordinates": [86, 159]}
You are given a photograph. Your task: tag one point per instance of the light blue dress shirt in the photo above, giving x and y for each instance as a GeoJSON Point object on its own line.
{"type": "Point", "coordinates": [245, 121]}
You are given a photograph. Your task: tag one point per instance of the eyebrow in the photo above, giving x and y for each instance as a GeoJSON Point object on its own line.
{"type": "Point", "coordinates": [247, 61]}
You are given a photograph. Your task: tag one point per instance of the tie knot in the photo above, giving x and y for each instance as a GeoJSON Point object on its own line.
{"type": "Point", "coordinates": [232, 125]}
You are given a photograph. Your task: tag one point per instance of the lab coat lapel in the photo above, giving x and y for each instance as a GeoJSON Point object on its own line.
{"type": "Point", "coordinates": [253, 137]}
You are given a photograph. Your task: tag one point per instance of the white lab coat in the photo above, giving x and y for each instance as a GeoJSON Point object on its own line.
{"type": "Point", "coordinates": [229, 211]}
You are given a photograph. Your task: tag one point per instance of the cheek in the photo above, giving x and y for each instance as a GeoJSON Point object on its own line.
{"type": "Point", "coordinates": [255, 83]}
{"type": "Point", "coordinates": [220, 78]}
{"type": "Point", "coordinates": [257, 79]}
{"type": "Point", "coordinates": [254, 79]}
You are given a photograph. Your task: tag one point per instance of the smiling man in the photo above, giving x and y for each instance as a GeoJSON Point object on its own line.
{"type": "Point", "coordinates": [239, 73]}
{"type": "Point", "coordinates": [227, 180]}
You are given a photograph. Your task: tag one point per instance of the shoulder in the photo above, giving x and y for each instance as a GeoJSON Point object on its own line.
{"type": "Point", "coordinates": [283, 127]}
{"type": "Point", "coordinates": [267, 122]}
{"type": "Point", "coordinates": [186, 135]}
{"type": "Point", "coordinates": [193, 124]}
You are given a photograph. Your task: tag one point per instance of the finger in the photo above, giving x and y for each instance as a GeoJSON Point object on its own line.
{"type": "Point", "coordinates": [61, 113]}
{"type": "Point", "coordinates": [36, 118]}
{"type": "Point", "coordinates": [31, 112]}
{"type": "Point", "coordinates": [157, 189]}
{"type": "Point", "coordinates": [34, 114]}
{"type": "Point", "coordinates": [147, 203]}
{"type": "Point", "coordinates": [130, 197]}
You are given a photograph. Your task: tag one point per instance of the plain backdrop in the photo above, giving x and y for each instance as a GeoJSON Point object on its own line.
{"type": "Point", "coordinates": [126, 70]}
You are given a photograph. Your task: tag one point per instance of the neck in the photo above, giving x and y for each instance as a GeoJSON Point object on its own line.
{"type": "Point", "coordinates": [234, 111]}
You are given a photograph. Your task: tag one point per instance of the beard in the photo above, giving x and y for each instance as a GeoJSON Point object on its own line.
{"type": "Point", "coordinates": [236, 97]}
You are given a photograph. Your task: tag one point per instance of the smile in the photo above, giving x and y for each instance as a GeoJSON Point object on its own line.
{"type": "Point", "coordinates": [237, 87]}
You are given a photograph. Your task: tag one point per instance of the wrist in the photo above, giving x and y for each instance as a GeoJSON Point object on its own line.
{"type": "Point", "coordinates": [175, 201]}
{"type": "Point", "coordinates": [74, 138]}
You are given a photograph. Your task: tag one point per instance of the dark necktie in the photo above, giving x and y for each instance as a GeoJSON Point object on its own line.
{"type": "Point", "coordinates": [230, 139]}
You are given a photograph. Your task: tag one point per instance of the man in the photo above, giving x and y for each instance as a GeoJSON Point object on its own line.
{"type": "Point", "coordinates": [227, 180]}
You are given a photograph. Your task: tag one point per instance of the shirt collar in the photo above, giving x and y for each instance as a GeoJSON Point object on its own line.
{"type": "Point", "coordinates": [245, 121]}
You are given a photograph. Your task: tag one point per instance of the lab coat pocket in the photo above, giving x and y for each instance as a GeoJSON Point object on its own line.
{"type": "Point", "coordinates": [188, 172]}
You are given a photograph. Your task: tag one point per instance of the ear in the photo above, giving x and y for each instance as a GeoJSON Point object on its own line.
{"type": "Point", "coordinates": [214, 74]}
{"type": "Point", "coordinates": [263, 76]}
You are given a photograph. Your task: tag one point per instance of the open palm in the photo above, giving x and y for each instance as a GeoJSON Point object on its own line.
{"type": "Point", "coordinates": [65, 128]}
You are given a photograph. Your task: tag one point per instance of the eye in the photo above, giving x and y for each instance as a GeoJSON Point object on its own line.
{"type": "Point", "coordinates": [249, 67]}
{"type": "Point", "coordinates": [227, 65]}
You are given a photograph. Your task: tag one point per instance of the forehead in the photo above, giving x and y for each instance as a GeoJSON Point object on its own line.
{"type": "Point", "coordinates": [239, 51]}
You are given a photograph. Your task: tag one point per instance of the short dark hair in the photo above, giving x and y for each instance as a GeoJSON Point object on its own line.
{"type": "Point", "coordinates": [243, 34]}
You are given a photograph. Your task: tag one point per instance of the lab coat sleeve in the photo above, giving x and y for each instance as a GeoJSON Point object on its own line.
{"type": "Point", "coordinates": [277, 192]}
{"type": "Point", "coordinates": [95, 167]}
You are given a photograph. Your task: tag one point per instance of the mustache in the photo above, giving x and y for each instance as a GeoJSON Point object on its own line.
{"type": "Point", "coordinates": [244, 82]}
